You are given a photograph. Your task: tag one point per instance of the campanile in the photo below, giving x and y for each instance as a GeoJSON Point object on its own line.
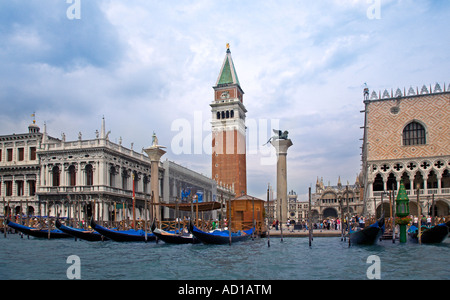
{"type": "Point", "coordinates": [228, 129]}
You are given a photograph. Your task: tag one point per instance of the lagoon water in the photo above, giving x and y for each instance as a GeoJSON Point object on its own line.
{"type": "Point", "coordinates": [292, 259]}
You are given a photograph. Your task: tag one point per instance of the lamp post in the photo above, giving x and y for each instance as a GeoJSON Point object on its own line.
{"type": "Point", "coordinates": [402, 211]}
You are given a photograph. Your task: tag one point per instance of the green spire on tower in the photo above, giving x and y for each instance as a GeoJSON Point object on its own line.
{"type": "Point", "coordinates": [227, 73]}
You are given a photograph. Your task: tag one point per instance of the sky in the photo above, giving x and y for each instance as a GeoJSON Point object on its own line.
{"type": "Point", "coordinates": [149, 66]}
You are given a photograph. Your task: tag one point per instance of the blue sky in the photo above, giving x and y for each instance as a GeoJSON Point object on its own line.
{"type": "Point", "coordinates": [147, 65]}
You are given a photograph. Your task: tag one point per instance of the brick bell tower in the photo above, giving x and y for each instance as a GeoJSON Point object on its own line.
{"type": "Point", "coordinates": [229, 165]}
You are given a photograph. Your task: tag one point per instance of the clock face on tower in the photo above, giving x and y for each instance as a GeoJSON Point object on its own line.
{"type": "Point", "coordinates": [225, 95]}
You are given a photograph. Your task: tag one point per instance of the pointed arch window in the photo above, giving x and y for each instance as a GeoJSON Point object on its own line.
{"type": "Point", "coordinates": [414, 134]}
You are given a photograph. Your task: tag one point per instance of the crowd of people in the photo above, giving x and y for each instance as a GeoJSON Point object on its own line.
{"type": "Point", "coordinates": [325, 224]}
{"type": "Point", "coordinates": [355, 221]}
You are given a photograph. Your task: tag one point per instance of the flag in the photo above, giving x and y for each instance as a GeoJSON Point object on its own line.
{"type": "Point", "coordinates": [185, 194]}
{"type": "Point", "coordinates": [199, 197]}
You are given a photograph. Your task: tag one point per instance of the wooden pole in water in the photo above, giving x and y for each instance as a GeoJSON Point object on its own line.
{"type": "Point", "coordinates": [68, 210]}
{"type": "Point", "coordinates": [152, 209]}
{"type": "Point", "coordinates": [221, 211]}
{"type": "Point", "coordinates": [229, 220]}
{"type": "Point", "coordinates": [4, 216]}
{"type": "Point", "coordinates": [48, 220]}
{"type": "Point", "coordinates": [390, 211]}
{"type": "Point", "coordinates": [348, 219]}
{"type": "Point", "coordinates": [375, 204]}
{"type": "Point", "coordinates": [20, 211]}
{"type": "Point", "coordinates": [433, 213]}
{"type": "Point", "coordinates": [176, 214]}
{"type": "Point", "coordinates": [145, 216]}
{"type": "Point", "coordinates": [393, 216]}
{"type": "Point", "coordinates": [253, 217]}
{"type": "Point", "coordinates": [381, 207]}
{"type": "Point", "coordinates": [79, 211]}
{"type": "Point", "coordinates": [196, 213]}
{"type": "Point", "coordinates": [419, 212]}
{"type": "Point", "coordinates": [341, 206]}
{"type": "Point", "coordinates": [115, 214]}
{"type": "Point", "coordinates": [309, 218]}
{"type": "Point", "coordinates": [26, 211]}
{"type": "Point", "coordinates": [281, 221]}
{"type": "Point", "coordinates": [192, 209]}
{"type": "Point", "coordinates": [267, 215]}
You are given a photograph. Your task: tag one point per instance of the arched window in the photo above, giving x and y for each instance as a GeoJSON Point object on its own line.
{"type": "Point", "coordinates": [125, 179]}
{"type": "Point", "coordinates": [218, 115]}
{"type": "Point", "coordinates": [89, 175]}
{"type": "Point", "coordinates": [72, 176]}
{"type": "Point", "coordinates": [378, 184]}
{"type": "Point", "coordinates": [112, 177]}
{"type": "Point", "coordinates": [414, 134]}
{"type": "Point", "coordinates": [55, 172]}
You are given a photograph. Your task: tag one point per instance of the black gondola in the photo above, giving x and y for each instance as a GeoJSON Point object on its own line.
{"type": "Point", "coordinates": [88, 235]}
{"type": "Point", "coordinates": [38, 233]}
{"type": "Point", "coordinates": [368, 235]}
{"type": "Point", "coordinates": [123, 235]}
{"type": "Point", "coordinates": [219, 237]}
{"type": "Point", "coordinates": [434, 235]}
{"type": "Point", "coordinates": [174, 237]}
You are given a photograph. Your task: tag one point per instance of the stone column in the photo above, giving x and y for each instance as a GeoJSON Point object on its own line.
{"type": "Point", "coordinates": [154, 153]}
{"type": "Point", "coordinates": [281, 147]}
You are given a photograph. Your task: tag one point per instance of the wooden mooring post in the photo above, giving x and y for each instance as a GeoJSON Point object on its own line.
{"type": "Point", "coordinates": [267, 214]}
{"type": "Point", "coordinates": [310, 232]}
{"type": "Point", "coordinates": [4, 216]}
{"type": "Point", "coordinates": [229, 220]}
{"type": "Point", "coordinates": [349, 225]}
{"type": "Point", "coordinates": [281, 222]}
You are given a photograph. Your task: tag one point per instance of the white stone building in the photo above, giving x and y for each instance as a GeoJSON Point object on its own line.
{"type": "Point", "coordinates": [43, 175]}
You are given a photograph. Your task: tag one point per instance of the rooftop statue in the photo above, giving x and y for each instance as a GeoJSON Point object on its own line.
{"type": "Point", "coordinates": [154, 140]}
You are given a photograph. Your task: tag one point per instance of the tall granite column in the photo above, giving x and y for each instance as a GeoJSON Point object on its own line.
{"type": "Point", "coordinates": [281, 147]}
{"type": "Point", "coordinates": [154, 153]}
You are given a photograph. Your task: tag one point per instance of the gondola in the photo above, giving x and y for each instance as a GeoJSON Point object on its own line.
{"type": "Point", "coordinates": [88, 235]}
{"type": "Point", "coordinates": [38, 233]}
{"type": "Point", "coordinates": [368, 235]}
{"type": "Point", "coordinates": [174, 237]}
{"type": "Point", "coordinates": [434, 235]}
{"type": "Point", "coordinates": [219, 237]}
{"type": "Point", "coordinates": [123, 235]}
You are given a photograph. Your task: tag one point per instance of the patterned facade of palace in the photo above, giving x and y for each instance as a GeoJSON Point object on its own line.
{"type": "Point", "coordinates": [407, 139]}
{"type": "Point", "coordinates": [41, 175]}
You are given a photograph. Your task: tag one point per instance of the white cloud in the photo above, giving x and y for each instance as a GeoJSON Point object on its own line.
{"type": "Point", "coordinates": [144, 64]}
